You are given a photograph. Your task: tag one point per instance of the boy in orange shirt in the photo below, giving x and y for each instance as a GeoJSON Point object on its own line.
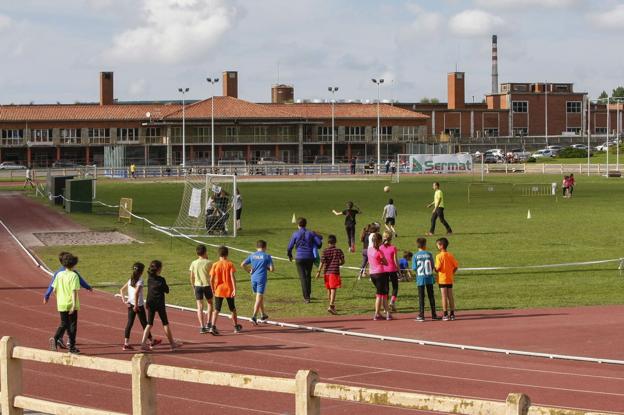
{"type": "Point", "coordinates": [223, 282]}
{"type": "Point", "coordinates": [446, 267]}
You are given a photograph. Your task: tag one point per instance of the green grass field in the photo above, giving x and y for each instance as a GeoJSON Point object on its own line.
{"type": "Point", "coordinates": [493, 230]}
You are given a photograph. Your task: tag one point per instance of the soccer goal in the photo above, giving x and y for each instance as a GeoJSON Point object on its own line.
{"type": "Point", "coordinates": [432, 164]}
{"type": "Point", "coordinates": [207, 207]}
{"type": "Point", "coordinates": [509, 192]}
{"type": "Point", "coordinates": [535, 190]}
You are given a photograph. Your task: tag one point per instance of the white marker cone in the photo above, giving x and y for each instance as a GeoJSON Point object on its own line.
{"type": "Point", "coordinates": [294, 219]}
{"type": "Point", "coordinates": [529, 214]}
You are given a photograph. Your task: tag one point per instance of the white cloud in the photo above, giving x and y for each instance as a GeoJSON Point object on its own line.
{"type": "Point", "coordinates": [609, 19]}
{"type": "Point", "coordinates": [138, 88]}
{"type": "Point", "coordinates": [175, 31]}
{"type": "Point", "coordinates": [424, 21]}
{"type": "Point", "coordinates": [521, 4]}
{"type": "Point", "coordinates": [475, 23]}
{"type": "Point", "coordinates": [5, 22]}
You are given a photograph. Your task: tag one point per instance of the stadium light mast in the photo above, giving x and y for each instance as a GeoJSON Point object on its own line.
{"type": "Point", "coordinates": [378, 82]}
{"type": "Point", "coordinates": [212, 81]}
{"type": "Point", "coordinates": [546, 112]}
{"type": "Point", "coordinates": [183, 91]}
{"type": "Point", "coordinates": [333, 90]}
{"type": "Point", "coordinates": [589, 102]}
{"type": "Point", "coordinates": [608, 126]}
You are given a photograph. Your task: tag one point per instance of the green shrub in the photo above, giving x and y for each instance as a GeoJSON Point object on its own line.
{"type": "Point", "coordinates": [531, 160]}
{"type": "Point", "coordinates": [572, 153]}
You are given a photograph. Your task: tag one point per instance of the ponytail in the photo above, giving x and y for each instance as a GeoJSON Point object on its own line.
{"type": "Point", "coordinates": [137, 271]}
{"type": "Point", "coordinates": [154, 267]}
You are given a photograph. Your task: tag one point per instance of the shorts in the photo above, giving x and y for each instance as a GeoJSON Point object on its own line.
{"type": "Point", "coordinates": [390, 221]}
{"type": "Point", "coordinates": [259, 286]}
{"type": "Point", "coordinates": [162, 314]}
{"type": "Point", "coordinates": [203, 292]}
{"type": "Point", "coordinates": [446, 285]}
{"type": "Point", "coordinates": [381, 283]}
{"type": "Point", "coordinates": [332, 281]}
{"type": "Point", "coordinates": [219, 303]}
{"type": "Point", "coordinates": [238, 213]}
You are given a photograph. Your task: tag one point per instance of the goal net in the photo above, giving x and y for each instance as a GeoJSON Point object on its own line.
{"type": "Point", "coordinates": [207, 206]}
{"type": "Point", "coordinates": [509, 192]}
{"type": "Point", "coordinates": [432, 164]}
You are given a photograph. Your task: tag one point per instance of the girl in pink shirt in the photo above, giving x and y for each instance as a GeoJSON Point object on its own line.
{"type": "Point", "coordinates": [392, 268]}
{"type": "Point", "coordinates": [378, 276]}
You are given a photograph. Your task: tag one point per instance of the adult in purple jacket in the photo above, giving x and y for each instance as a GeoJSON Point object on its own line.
{"type": "Point", "coordinates": [304, 242]}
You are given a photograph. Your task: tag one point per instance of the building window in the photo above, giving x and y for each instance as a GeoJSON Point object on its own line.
{"type": "Point", "coordinates": [283, 132]}
{"type": "Point", "coordinates": [233, 155]}
{"type": "Point", "coordinates": [260, 132]}
{"type": "Point", "coordinates": [575, 130]}
{"type": "Point", "coordinates": [386, 133]}
{"type": "Point", "coordinates": [573, 106]}
{"type": "Point", "coordinates": [409, 133]}
{"type": "Point", "coordinates": [153, 135]}
{"type": "Point", "coordinates": [12, 137]}
{"type": "Point", "coordinates": [70, 135]}
{"type": "Point", "coordinates": [41, 136]}
{"type": "Point", "coordinates": [355, 133]}
{"type": "Point", "coordinates": [202, 133]}
{"type": "Point", "coordinates": [520, 106]}
{"type": "Point", "coordinates": [128, 135]}
{"type": "Point", "coordinates": [231, 132]}
{"type": "Point", "coordinates": [490, 132]}
{"type": "Point", "coordinates": [99, 136]}
{"type": "Point", "coordinates": [600, 130]}
{"type": "Point", "coordinates": [520, 131]}
{"type": "Point", "coordinates": [325, 133]}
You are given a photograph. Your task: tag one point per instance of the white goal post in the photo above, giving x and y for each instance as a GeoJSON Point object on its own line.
{"type": "Point", "coordinates": [510, 191]}
{"type": "Point", "coordinates": [432, 164]}
{"type": "Point", "coordinates": [207, 208]}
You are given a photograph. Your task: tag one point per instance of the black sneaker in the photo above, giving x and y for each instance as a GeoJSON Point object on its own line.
{"type": "Point", "coordinates": [60, 344]}
{"type": "Point", "coordinates": [238, 328]}
{"type": "Point", "coordinates": [420, 319]}
{"type": "Point", "coordinates": [445, 318]}
{"type": "Point", "coordinates": [452, 317]}
{"type": "Point", "coordinates": [203, 330]}
{"type": "Point", "coordinates": [74, 350]}
{"type": "Point", "coordinates": [213, 330]}
{"type": "Point", "coordinates": [208, 325]}
{"type": "Point", "coordinates": [254, 321]}
{"type": "Point", "coordinates": [264, 318]}
{"type": "Point", "coordinates": [53, 344]}
{"type": "Point", "coordinates": [436, 317]}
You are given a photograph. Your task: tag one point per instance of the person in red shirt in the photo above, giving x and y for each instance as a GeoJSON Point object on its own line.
{"type": "Point", "coordinates": [223, 282]}
{"type": "Point", "coordinates": [331, 261]}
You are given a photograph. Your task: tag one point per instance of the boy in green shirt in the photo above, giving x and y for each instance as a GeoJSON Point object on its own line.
{"type": "Point", "coordinates": [200, 281]}
{"type": "Point", "coordinates": [66, 286]}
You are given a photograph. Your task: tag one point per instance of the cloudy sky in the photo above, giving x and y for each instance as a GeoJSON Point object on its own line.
{"type": "Point", "coordinates": [53, 50]}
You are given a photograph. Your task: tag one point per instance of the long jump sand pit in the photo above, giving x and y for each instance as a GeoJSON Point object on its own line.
{"type": "Point", "coordinates": [84, 238]}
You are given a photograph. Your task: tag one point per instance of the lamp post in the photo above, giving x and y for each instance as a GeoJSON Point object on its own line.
{"type": "Point", "coordinates": [608, 126]}
{"type": "Point", "coordinates": [333, 90]}
{"type": "Point", "coordinates": [183, 91]}
{"type": "Point", "coordinates": [588, 135]}
{"type": "Point", "coordinates": [212, 81]}
{"type": "Point", "coordinates": [546, 112]}
{"type": "Point", "coordinates": [378, 82]}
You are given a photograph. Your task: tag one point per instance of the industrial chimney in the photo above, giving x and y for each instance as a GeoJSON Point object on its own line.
{"type": "Point", "coordinates": [494, 64]}
{"type": "Point", "coordinates": [106, 88]}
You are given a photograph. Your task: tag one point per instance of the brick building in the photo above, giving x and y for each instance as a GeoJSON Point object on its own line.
{"type": "Point", "coordinates": [151, 133]}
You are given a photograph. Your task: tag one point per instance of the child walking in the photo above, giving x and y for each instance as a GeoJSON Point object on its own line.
{"type": "Point", "coordinates": [389, 217]}
{"type": "Point", "coordinates": [258, 265]}
{"type": "Point", "coordinates": [350, 213]}
{"type": "Point", "coordinates": [423, 266]}
{"type": "Point", "coordinates": [446, 266]}
{"type": "Point", "coordinates": [224, 282]}
{"type": "Point", "coordinates": [331, 261]}
{"type": "Point", "coordinates": [157, 288]}
{"type": "Point", "coordinates": [200, 282]}
{"type": "Point", "coordinates": [405, 263]}
{"type": "Point", "coordinates": [135, 304]}
{"type": "Point", "coordinates": [392, 268]}
{"type": "Point", "coordinates": [66, 286]}
{"type": "Point", "coordinates": [376, 263]}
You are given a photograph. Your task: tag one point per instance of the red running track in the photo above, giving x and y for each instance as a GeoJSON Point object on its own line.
{"type": "Point", "coordinates": [275, 351]}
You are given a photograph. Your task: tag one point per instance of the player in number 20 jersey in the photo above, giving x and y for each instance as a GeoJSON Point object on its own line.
{"type": "Point", "coordinates": [422, 264]}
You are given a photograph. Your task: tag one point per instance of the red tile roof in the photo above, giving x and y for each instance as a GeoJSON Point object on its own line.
{"type": "Point", "coordinates": [84, 112]}
{"type": "Point", "coordinates": [346, 110]}
{"type": "Point", "coordinates": [229, 108]}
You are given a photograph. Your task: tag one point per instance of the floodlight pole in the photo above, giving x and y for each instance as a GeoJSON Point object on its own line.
{"type": "Point", "coordinates": [588, 135]}
{"type": "Point", "coordinates": [378, 82]}
{"type": "Point", "coordinates": [183, 91]}
{"type": "Point", "coordinates": [546, 112]}
{"type": "Point", "coordinates": [608, 126]}
{"type": "Point", "coordinates": [212, 81]}
{"type": "Point", "coordinates": [618, 127]}
{"type": "Point", "coordinates": [333, 90]}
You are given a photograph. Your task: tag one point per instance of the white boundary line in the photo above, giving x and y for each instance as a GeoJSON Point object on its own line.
{"type": "Point", "coordinates": [509, 352]}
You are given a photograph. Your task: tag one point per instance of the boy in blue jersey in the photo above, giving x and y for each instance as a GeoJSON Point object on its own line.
{"type": "Point", "coordinates": [258, 264]}
{"type": "Point", "coordinates": [48, 292]}
{"type": "Point", "coordinates": [422, 264]}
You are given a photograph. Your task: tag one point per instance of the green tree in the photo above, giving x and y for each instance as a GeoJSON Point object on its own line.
{"type": "Point", "coordinates": [425, 100]}
{"type": "Point", "coordinates": [603, 95]}
{"type": "Point", "coordinates": [435, 101]}
{"type": "Point", "coordinates": [618, 92]}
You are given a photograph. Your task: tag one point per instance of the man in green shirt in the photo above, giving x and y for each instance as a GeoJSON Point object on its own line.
{"type": "Point", "coordinates": [66, 286]}
{"type": "Point", "coordinates": [438, 210]}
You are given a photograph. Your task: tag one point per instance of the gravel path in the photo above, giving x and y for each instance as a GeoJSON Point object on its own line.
{"type": "Point", "coordinates": [83, 238]}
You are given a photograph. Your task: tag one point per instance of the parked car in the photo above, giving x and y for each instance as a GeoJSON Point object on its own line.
{"type": "Point", "coordinates": [555, 148]}
{"type": "Point", "coordinates": [496, 151]}
{"type": "Point", "coordinates": [64, 164]}
{"type": "Point", "coordinates": [543, 153]}
{"type": "Point", "coordinates": [269, 160]}
{"type": "Point", "coordinates": [11, 165]}
{"type": "Point", "coordinates": [520, 154]}
{"type": "Point", "coordinates": [604, 146]}
{"type": "Point", "coordinates": [582, 147]}
{"type": "Point", "coordinates": [491, 158]}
